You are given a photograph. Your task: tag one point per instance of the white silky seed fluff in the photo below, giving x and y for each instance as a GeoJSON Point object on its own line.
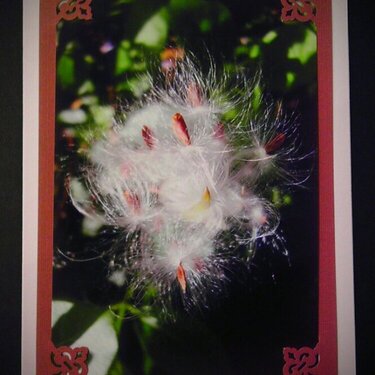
{"type": "Point", "coordinates": [183, 195]}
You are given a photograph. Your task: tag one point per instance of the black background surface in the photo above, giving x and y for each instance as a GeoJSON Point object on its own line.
{"type": "Point", "coordinates": [362, 83]}
{"type": "Point", "coordinates": [10, 185]}
{"type": "Point", "coordinates": [362, 121]}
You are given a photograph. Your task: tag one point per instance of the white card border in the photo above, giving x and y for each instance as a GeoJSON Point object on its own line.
{"type": "Point", "coordinates": [342, 191]}
{"type": "Point", "coordinates": [30, 184]}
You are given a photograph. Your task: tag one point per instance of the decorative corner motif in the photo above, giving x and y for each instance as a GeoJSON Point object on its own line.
{"type": "Point", "coordinates": [298, 10]}
{"type": "Point", "coordinates": [68, 361]}
{"type": "Point", "coordinates": [69, 10]}
{"type": "Point", "coordinates": [303, 361]}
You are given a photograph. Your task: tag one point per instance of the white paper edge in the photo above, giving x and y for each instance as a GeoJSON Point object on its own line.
{"type": "Point", "coordinates": [30, 184]}
{"type": "Point", "coordinates": [342, 191]}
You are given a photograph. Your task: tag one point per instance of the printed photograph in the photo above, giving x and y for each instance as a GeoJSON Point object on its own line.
{"type": "Point", "coordinates": [186, 199]}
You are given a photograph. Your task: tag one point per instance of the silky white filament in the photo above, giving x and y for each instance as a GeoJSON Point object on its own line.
{"type": "Point", "coordinates": [185, 182]}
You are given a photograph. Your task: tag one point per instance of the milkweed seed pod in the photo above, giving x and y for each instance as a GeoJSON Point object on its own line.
{"type": "Point", "coordinates": [185, 180]}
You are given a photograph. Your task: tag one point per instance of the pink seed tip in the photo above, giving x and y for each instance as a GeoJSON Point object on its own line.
{"type": "Point", "coordinates": [219, 131]}
{"type": "Point", "coordinates": [194, 95]}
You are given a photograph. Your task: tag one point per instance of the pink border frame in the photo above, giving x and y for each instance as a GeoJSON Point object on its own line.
{"type": "Point", "coordinates": [327, 276]}
{"type": "Point", "coordinates": [327, 284]}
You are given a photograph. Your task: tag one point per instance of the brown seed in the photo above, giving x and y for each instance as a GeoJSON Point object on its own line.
{"type": "Point", "coordinates": [148, 137]}
{"type": "Point", "coordinates": [132, 200]}
{"type": "Point", "coordinates": [180, 129]}
{"type": "Point", "coordinates": [275, 143]}
{"type": "Point", "coordinates": [181, 277]}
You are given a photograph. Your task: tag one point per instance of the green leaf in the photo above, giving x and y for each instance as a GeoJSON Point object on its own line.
{"type": "Point", "coordinates": [80, 194]}
{"type": "Point", "coordinates": [123, 59]}
{"type": "Point", "coordinates": [66, 70]}
{"type": "Point", "coordinates": [117, 368]}
{"type": "Point", "coordinates": [84, 324]}
{"type": "Point", "coordinates": [287, 200]}
{"type": "Point", "coordinates": [102, 115]}
{"type": "Point", "coordinates": [186, 5]}
{"type": "Point", "coordinates": [224, 14]}
{"type": "Point", "coordinates": [89, 100]}
{"type": "Point", "coordinates": [87, 87]}
{"type": "Point", "coordinates": [119, 2]}
{"type": "Point", "coordinates": [230, 115]}
{"type": "Point", "coordinates": [290, 78]}
{"type": "Point", "coordinates": [91, 226]}
{"type": "Point", "coordinates": [304, 50]}
{"type": "Point", "coordinates": [59, 308]}
{"type": "Point", "coordinates": [150, 322]}
{"type": "Point", "coordinates": [101, 339]}
{"type": "Point", "coordinates": [154, 32]}
{"type": "Point", "coordinates": [205, 25]}
{"type": "Point", "coordinates": [137, 85]}
{"type": "Point", "coordinates": [257, 98]}
{"type": "Point", "coordinates": [148, 365]}
{"type": "Point", "coordinates": [241, 50]}
{"type": "Point", "coordinates": [269, 37]}
{"type": "Point", "coordinates": [254, 51]}
{"type": "Point", "coordinates": [98, 122]}
{"type": "Point", "coordinates": [276, 197]}
{"type": "Point", "coordinates": [88, 59]}
{"type": "Point", "coordinates": [72, 116]}
{"type": "Point", "coordinates": [72, 324]}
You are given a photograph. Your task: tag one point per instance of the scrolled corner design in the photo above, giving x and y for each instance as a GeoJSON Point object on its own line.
{"type": "Point", "coordinates": [298, 10]}
{"type": "Point", "coordinates": [69, 10]}
{"type": "Point", "coordinates": [303, 361]}
{"type": "Point", "coordinates": [68, 361]}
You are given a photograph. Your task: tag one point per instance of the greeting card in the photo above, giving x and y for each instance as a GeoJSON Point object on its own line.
{"type": "Point", "coordinates": [186, 188]}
